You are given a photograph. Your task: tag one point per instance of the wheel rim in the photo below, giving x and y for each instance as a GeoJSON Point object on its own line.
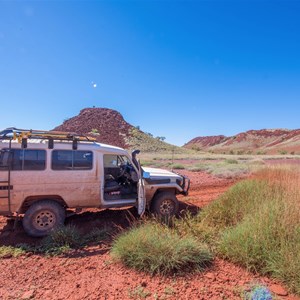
{"type": "Point", "coordinates": [44, 220]}
{"type": "Point", "coordinates": [166, 207]}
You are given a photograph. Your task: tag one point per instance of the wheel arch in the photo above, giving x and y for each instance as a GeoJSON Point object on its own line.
{"type": "Point", "coordinates": [160, 191]}
{"type": "Point", "coordinates": [28, 201]}
{"type": "Point", "coordinates": [164, 190]}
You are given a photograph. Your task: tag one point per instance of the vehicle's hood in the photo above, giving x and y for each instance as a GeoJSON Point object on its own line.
{"type": "Point", "coordinates": [160, 173]}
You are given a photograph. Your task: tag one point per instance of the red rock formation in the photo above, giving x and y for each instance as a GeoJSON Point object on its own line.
{"type": "Point", "coordinates": [109, 125]}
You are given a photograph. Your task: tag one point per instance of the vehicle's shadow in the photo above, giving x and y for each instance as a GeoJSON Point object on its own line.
{"type": "Point", "coordinates": [186, 208]}
{"type": "Point", "coordinates": [110, 220]}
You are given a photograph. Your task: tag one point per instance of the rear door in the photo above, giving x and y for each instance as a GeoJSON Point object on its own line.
{"type": "Point", "coordinates": [4, 182]}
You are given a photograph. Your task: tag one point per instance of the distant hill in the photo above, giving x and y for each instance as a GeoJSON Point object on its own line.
{"type": "Point", "coordinates": [268, 141]}
{"type": "Point", "coordinates": [108, 126]}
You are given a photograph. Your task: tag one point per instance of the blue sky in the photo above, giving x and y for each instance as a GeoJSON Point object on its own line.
{"type": "Point", "coordinates": [178, 69]}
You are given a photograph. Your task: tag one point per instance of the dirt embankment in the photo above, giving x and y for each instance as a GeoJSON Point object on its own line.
{"type": "Point", "coordinates": [89, 273]}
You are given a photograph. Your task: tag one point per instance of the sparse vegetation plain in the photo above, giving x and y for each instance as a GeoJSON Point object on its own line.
{"type": "Point", "coordinates": [219, 165]}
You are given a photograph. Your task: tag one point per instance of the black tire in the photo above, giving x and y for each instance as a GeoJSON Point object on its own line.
{"type": "Point", "coordinates": [165, 204]}
{"type": "Point", "coordinates": [42, 217]}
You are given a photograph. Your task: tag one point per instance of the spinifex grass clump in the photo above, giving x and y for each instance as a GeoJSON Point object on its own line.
{"type": "Point", "coordinates": [258, 221]}
{"type": "Point", "coordinates": [61, 240]}
{"type": "Point", "coordinates": [158, 249]}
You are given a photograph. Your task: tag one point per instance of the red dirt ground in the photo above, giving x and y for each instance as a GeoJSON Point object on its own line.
{"type": "Point", "coordinates": [89, 273]}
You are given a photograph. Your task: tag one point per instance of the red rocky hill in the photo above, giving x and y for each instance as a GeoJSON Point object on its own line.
{"type": "Point", "coordinates": [106, 125]}
{"type": "Point", "coordinates": [269, 141]}
{"type": "Point", "coordinates": [109, 127]}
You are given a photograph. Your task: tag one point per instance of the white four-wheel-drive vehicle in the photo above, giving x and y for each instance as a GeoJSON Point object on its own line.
{"type": "Point", "coordinates": [43, 173]}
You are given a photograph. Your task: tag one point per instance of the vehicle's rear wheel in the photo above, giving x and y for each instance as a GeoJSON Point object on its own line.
{"type": "Point", "coordinates": [42, 217]}
{"type": "Point", "coordinates": [165, 204]}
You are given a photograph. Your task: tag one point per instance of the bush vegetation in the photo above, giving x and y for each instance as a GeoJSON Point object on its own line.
{"type": "Point", "coordinates": [159, 249]}
{"type": "Point", "coordinates": [228, 168]}
{"type": "Point", "coordinates": [256, 224]}
{"type": "Point", "coordinates": [147, 143]}
{"type": "Point", "coordinates": [61, 240]}
{"type": "Point", "coordinates": [177, 166]}
{"type": "Point", "coordinates": [9, 251]}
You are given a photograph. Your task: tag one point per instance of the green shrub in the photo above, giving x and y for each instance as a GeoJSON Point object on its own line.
{"type": "Point", "coordinates": [240, 152]}
{"type": "Point", "coordinates": [231, 161]}
{"type": "Point", "coordinates": [177, 166]}
{"type": "Point", "coordinates": [282, 152]}
{"type": "Point", "coordinates": [158, 249]}
{"type": "Point", "coordinates": [9, 251]}
{"type": "Point", "coordinates": [201, 167]}
{"type": "Point", "coordinates": [261, 152]}
{"type": "Point", "coordinates": [61, 240]}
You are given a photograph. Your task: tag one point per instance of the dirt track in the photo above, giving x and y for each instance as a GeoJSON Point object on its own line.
{"type": "Point", "coordinates": [89, 273]}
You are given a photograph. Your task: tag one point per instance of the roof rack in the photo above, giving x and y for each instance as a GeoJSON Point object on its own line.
{"type": "Point", "coordinates": [23, 134]}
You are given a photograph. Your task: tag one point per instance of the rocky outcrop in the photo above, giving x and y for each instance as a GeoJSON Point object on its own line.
{"type": "Point", "coordinates": [106, 125]}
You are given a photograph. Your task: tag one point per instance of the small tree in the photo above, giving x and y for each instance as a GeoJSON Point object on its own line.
{"type": "Point", "coordinates": [94, 131]}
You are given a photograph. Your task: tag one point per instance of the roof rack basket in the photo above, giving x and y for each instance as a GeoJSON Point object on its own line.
{"type": "Point", "coordinates": [23, 134]}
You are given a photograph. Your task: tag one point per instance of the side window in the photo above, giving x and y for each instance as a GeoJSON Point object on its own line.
{"type": "Point", "coordinates": [61, 160]}
{"type": "Point", "coordinates": [82, 160]}
{"type": "Point", "coordinates": [72, 160]}
{"type": "Point", "coordinates": [16, 159]}
{"type": "Point", "coordinates": [110, 161]}
{"type": "Point", "coordinates": [23, 159]}
{"type": "Point", "coordinates": [114, 161]}
{"type": "Point", "coordinates": [34, 160]}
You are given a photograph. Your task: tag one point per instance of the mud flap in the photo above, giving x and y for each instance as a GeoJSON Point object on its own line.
{"type": "Point", "coordinates": [141, 198]}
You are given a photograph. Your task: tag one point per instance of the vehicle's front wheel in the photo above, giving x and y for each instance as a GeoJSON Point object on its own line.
{"type": "Point", "coordinates": [42, 217]}
{"type": "Point", "coordinates": [165, 204]}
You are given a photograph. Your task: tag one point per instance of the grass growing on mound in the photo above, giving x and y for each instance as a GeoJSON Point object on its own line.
{"type": "Point", "coordinates": [146, 143]}
{"type": "Point", "coordinates": [258, 224]}
{"type": "Point", "coordinates": [158, 249]}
